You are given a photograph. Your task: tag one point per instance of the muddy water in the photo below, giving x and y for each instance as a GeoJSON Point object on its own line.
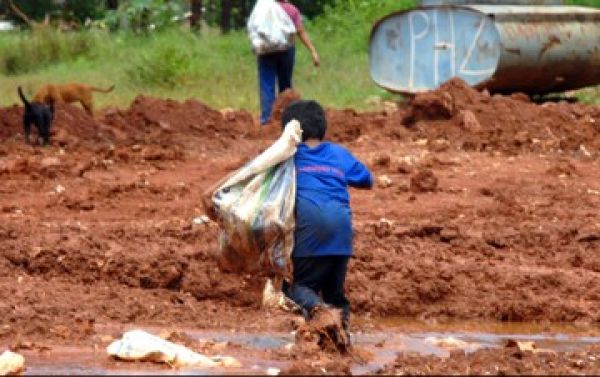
{"type": "Point", "coordinates": [392, 336]}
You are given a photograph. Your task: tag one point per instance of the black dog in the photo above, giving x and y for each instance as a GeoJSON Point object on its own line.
{"type": "Point", "coordinates": [40, 115]}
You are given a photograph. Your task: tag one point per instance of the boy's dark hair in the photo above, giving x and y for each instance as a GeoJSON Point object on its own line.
{"type": "Point", "coordinates": [311, 117]}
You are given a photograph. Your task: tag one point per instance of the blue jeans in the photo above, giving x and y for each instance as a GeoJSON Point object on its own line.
{"type": "Point", "coordinates": [325, 275]}
{"type": "Point", "coordinates": [276, 66]}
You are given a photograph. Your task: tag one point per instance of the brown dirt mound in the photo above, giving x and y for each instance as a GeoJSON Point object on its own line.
{"type": "Point", "coordinates": [343, 125]}
{"type": "Point", "coordinates": [455, 115]}
{"type": "Point", "coordinates": [147, 120]}
{"type": "Point", "coordinates": [11, 121]}
{"type": "Point", "coordinates": [70, 122]}
{"type": "Point", "coordinates": [283, 100]}
{"type": "Point", "coordinates": [348, 125]}
{"type": "Point", "coordinates": [152, 119]}
{"type": "Point", "coordinates": [477, 121]}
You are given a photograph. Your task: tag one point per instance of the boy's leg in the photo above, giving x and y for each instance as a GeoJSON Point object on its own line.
{"type": "Point", "coordinates": [267, 72]}
{"type": "Point", "coordinates": [333, 286]}
{"type": "Point", "coordinates": [309, 273]}
{"type": "Point", "coordinates": [285, 69]}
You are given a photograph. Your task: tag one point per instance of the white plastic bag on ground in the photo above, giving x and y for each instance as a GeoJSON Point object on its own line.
{"type": "Point", "coordinates": [270, 28]}
{"type": "Point", "coordinates": [11, 363]}
{"type": "Point", "coordinates": [255, 210]}
{"type": "Point", "coordinates": [274, 298]}
{"type": "Point", "coordinates": [140, 345]}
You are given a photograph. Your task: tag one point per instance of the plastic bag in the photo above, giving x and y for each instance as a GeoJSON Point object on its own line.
{"type": "Point", "coordinates": [140, 345]}
{"type": "Point", "coordinates": [11, 363]}
{"type": "Point", "coordinates": [270, 28]}
{"type": "Point", "coordinates": [255, 210]}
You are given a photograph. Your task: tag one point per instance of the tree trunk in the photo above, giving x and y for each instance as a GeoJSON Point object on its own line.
{"type": "Point", "coordinates": [226, 16]}
{"type": "Point", "coordinates": [196, 19]}
{"type": "Point", "coordinates": [112, 4]}
{"type": "Point", "coordinates": [242, 13]}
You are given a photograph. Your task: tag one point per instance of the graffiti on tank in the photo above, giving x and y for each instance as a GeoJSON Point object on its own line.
{"type": "Point", "coordinates": [422, 24]}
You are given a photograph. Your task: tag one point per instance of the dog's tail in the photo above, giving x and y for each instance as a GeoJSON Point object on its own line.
{"type": "Point", "coordinates": [103, 90]}
{"type": "Point", "coordinates": [25, 102]}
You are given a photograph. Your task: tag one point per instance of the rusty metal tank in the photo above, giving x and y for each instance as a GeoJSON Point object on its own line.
{"type": "Point", "coordinates": [504, 48]}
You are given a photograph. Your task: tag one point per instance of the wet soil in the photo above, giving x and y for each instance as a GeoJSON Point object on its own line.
{"type": "Point", "coordinates": [499, 361]}
{"type": "Point", "coordinates": [387, 350]}
{"type": "Point", "coordinates": [488, 211]}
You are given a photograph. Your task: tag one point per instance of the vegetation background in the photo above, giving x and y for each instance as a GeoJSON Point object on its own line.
{"type": "Point", "coordinates": [181, 49]}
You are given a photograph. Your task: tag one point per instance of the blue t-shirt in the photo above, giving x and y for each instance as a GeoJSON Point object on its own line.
{"type": "Point", "coordinates": [323, 216]}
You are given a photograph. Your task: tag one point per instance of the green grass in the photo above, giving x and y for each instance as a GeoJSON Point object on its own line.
{"type": "Point", "coordinates": [588, 3]}
{"type": "Point", "coordinates": [219, 70]}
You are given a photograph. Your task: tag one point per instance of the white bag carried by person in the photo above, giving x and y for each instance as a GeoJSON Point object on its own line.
{"type": "Point", "coordinates": [255, 210]}
{"type": "Point", "coordinates": [270, 28]}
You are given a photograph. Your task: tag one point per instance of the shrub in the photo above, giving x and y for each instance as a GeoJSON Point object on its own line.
{"type": "Point", "coordinates": [164, 64]}
{"type": "Point", "coordinates": [144, 15]}
{"type": "Point", "coordinates": [33, 50]}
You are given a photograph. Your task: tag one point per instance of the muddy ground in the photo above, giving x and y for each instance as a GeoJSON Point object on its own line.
{"type": "Point", "coordinates": [486, 208]}
{"type": "Point", "coordinates": [503, 361]}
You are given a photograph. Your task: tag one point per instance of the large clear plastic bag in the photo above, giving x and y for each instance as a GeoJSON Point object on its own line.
{"type": "Point", "coordinates": [270, 28]}
{"type": "Point", "coordinates": [255, 210]}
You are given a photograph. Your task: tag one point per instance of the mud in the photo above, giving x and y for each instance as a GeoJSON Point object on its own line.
{"type": "Point", "coordinates": [97, 228]}
{"type": "Point", "coordinates": [386, 351]}
{"type": "Point", "coordinates": [423, 181]}
{"type": "Point", "coordinates": [505, 361]}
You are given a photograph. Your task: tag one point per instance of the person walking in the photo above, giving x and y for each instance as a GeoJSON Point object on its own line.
{"type": "Point", "coordinates": [323, 233]}
{"type": "Point", "coordinates": [277, 67]}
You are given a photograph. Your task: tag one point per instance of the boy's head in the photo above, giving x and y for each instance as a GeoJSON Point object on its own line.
{"type": "Point", "coordinates": [311, 117]}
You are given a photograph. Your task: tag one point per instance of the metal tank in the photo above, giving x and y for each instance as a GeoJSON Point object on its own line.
{"type": "Point", "coordinates": [504, 48]}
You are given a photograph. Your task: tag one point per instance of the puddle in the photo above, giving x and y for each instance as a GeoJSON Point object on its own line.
{"type": "Point", "coordinates": [256, 340]}
{"type": "Point", "coordinates": [393, 337]}
{"type": "Point", "coordinates": [77, 361]}
{"type": "Point", "coordinates": [404, 325]}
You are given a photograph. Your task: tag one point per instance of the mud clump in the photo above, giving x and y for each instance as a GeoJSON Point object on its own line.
{"type": "Point", "coordinates": [435, 106]}
{"type": "Point", "coordinates": [344, 125]}
{"type": "Point", "coordinates": [423, 181]}
{"type": "Point", "coordinates": [325, 332]}
{"type": "Point", "coordinates": [443, 103]}
{"type": "Point", "coordinates": [322, 366]}
{"type": "Point", "coordinates": [382, 160]}
{"type": "Point", "coordinates": [322, 346]}
{"type": "Point", "coordinates": [563, 168]}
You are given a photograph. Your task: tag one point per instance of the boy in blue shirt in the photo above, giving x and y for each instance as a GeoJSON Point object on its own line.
{"type": "Point", "coordinates": [323, 234]}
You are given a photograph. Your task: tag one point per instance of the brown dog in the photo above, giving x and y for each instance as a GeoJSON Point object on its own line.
{"type": "Point", "coordinates": [51, 94]}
